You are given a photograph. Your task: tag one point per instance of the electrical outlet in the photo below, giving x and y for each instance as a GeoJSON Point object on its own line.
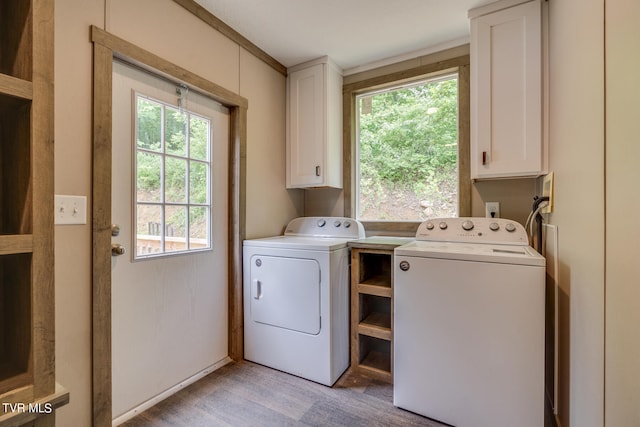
{"type": "Point", "coordinates": [547, 191]}
{"type": "Point", "coordinates": [70, 209]}
{"type": "Point", "coordinates": [492, 209]}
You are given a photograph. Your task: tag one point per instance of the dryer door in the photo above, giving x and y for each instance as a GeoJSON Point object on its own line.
{"type": "Point", "coordinates": [285, 292]}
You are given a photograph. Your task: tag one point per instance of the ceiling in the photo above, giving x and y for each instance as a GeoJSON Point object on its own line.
{"type": "Point", "coordinates": [354, 33]}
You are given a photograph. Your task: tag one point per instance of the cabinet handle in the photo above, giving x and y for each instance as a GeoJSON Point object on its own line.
{"type": "Point", "coordinates": [484, 158]}
{"type": "Point", "coordinates": [317, 170]}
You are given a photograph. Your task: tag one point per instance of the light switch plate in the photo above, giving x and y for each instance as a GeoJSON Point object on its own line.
{"type": "Point", "coordinates": [70, 210]}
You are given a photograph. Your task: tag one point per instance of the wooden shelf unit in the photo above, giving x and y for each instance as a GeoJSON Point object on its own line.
{"type": "Point", "coordinates": [27, 335]}
{"type": "Point", "coordinates": [372, 305]}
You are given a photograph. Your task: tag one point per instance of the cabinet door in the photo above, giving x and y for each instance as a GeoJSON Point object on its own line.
{"type": "Point", "coordinates": [506, 116]}
{"type": "Point", "coordinates": [307, 124]}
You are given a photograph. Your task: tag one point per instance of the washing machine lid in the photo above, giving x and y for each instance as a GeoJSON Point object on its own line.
{"type": "Point", "coordinates": [302, 243]}
{"type": "Point", "coordinates": [480, 252]}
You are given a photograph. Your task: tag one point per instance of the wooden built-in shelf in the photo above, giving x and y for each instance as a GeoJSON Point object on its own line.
{"type": "Point", "coordinates": [372, 305]}
{"type": "Point", "coordinates": [27, 310]}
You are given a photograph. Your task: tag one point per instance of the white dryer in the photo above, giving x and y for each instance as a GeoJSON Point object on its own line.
{"type": "Point", "coordinates": [469, 324]}
{"type": "Point", "coordinates": [296, 298]}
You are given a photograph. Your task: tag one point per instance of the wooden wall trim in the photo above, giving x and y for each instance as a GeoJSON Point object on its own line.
{"type": "Point", "coordinates": [464, 140]}
{"type": "Point", "coordinates": [101, 236]}
{"type": "Point", "coordinates": [218, 25]}
{"type": "Point", "coordinates": [42, 197]}
{"type": "Point", "coordinates": [157, 65]}
{"type": "Point", "coordinates": [106, 47]}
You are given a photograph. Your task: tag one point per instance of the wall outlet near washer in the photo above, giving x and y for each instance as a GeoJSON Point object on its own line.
{"type": "Point", "coordinates": [492, 209]}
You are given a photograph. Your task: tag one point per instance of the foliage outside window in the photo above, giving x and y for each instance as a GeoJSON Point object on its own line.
{"type": "Point", "coordinates": [173, 170]}
{"type": "Point", "coordinates": [407, 151]}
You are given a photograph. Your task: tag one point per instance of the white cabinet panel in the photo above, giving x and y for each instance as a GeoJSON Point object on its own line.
{"type": "Point", "coordinates": [507, 93]}
{"type": "Point", "coordinates": [314, 125]}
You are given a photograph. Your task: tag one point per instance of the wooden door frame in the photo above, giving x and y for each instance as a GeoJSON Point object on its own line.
{"type": "Point", "coordinates": [106, 48]}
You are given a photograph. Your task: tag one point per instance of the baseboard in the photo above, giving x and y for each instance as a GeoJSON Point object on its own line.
{"type": "Point", "coordinates": [173, 390]}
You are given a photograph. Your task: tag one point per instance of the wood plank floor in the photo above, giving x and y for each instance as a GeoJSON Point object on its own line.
{"type": "Point", "coordinates": [246, 394]}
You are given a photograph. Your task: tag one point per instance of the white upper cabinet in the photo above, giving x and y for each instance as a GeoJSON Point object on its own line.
{"type": "Point", "coordinates": [507, 97]}
{"type": "Point", "coordinates": [314, 125]}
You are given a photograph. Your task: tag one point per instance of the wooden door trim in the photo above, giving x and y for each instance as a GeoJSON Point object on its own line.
{"type": "Point", "coordinates": [106, 47]}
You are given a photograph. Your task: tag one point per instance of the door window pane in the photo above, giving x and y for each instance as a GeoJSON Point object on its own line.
{"type": "Point", "coordinates": [173, 180]}
{"type": "Point", "coordinates": [175, 132]}
{"type": "Point", "coordinates": [175, 183]}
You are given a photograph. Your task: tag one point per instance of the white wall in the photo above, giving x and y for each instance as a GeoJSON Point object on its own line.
{"type": "Point", "coordinates": [622, 374]}
{"type": "Point", "coordinates": [166, 29]}
{"type": "Point", "coordinates": [577, 159]}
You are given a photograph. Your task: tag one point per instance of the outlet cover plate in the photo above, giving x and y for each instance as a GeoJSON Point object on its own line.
{"type": "Point", "coordinates": [492, 207]}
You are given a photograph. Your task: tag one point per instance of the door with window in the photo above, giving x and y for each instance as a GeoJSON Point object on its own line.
{"type": "Point", "coordinates": [169, 203]}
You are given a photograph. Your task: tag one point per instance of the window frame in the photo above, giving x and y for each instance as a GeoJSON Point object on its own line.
{"type": "Point", "coordinates": [430, 66]}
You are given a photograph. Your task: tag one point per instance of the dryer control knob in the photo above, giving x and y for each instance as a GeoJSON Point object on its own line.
{"type": "Point", "coordinates": [337, 223]}
{"type": "Point", "coordinates": [346, 224]}
{"type": "Point", "coordinates": [430, 226]}
{"type": "Point", "coordinates": [494, 226]}
{"type": "Point", "coordinates": [321, 223]}
{"type": "Point", "coordinates": [442, 225]}
{"type": "Point", "coordinates": [467, 225]}
{"type": "Point", "coordinates": [510, 227]}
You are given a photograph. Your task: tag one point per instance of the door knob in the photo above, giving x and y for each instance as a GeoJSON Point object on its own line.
{"type": "Point", "coordinates": [117, 249]}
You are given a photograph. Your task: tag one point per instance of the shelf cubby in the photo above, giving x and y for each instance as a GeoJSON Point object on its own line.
{"type": "Point", "coordinates": [15, 321]}
{"type": "Point", "coordinates": [375, 356]}
{"type": "Point", "coordinates": [16, 33]}
{"type": "Point", "coordinates": [15, 166]}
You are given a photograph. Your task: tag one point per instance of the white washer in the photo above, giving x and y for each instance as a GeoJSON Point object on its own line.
{"type": "Point", "coordinates": [296, 298]}
{"type": "Point", "coordinates": [469, 324]}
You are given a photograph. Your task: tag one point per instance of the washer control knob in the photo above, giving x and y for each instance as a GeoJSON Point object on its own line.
{"type": "Point", "coordinates": [337, 223]}
{"type": "Point", "coordinates": [494, 226]}
{"type": "Point", "coordinates": [430, 226]}
{"type": "Point", "coordinates": [404, 265]}
{"type": "Point", "coordinates": [467, 225]}
{"type": "Point", "coordinates": [510, 227]}
{"type": "Point", "coordinates": [321, 223]}
{"type": "Point", "coordinates": [442, 225]}
{"type": "Point", "coordinates": [346, 224]}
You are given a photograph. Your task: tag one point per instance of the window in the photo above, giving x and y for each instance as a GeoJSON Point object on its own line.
{"type": "Point", "coordinates": [172, 170]}
{"type": "Point", "coordinates": [407, 151]}
{"type": "Point", "coordinates": [407, 138]}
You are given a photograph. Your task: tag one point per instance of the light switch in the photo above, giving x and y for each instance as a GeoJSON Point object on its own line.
{"type": "Point", "coordinates": [70, 210]}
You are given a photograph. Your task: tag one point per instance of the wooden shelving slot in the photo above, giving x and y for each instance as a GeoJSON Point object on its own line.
{"type": "Point", "coordinates": [381, 291]}
{"type": "Point", "coordinates": [376, 325]}
{"type": "Point", "coordinates": [16, 87]}
{"type": "Point", "coordinates": [16, 244]}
